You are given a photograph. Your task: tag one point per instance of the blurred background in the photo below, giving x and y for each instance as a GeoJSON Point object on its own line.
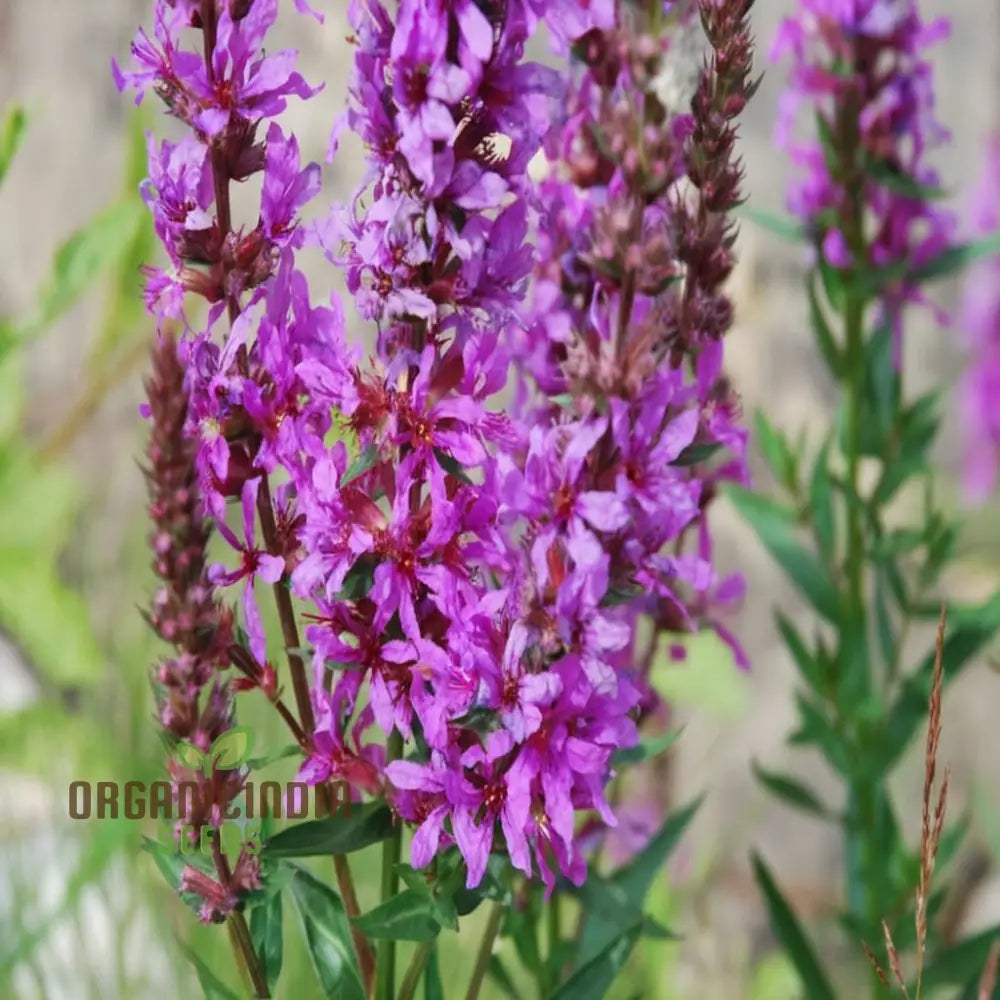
{"type": "Point", "coordinates": [83, 912]}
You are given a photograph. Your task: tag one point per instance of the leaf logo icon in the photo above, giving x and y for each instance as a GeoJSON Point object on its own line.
{"type": "Point", "coordinates": [191, 756]}
{"type": "Point", "coordinates": [230, 750]}
{"type": "Point", "coordinates": [227, 753]}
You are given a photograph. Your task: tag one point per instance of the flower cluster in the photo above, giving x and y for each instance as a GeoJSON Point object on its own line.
{"type": "Point", "coordinates": [197, 404]}
{"type": "Point", "coordinates": [474, 577]}
{"type": "Point", "coordinates": [861, 67]}
{"type": "Point", "coordinates": [981, 324]}
{"type": "Point", "coordinates": [222, 99]}
{"type": "Point", "coordinates": [623, 339]}
{"type": "Point", "coordinates": [451, 642]}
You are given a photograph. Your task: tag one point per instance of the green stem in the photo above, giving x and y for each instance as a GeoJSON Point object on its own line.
{"type": "Point", "coordinates": [485, 951]}
{"type": "Point", "coordinates": [385, 959]}
{"type": "Point", "coordinates": [241, 935]}
{"type": "Point", "coordinates": [555, 938]}
{"type": "Point", "coordinates": [415, 970]}
{"type": "Point", "coordinates": [855, 365]}
{"type": "Point", "coordinates": [862, 792]}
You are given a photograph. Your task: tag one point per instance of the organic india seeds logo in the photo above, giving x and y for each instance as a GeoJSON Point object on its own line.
{"type": "Point", "coordinates": [209, 802]}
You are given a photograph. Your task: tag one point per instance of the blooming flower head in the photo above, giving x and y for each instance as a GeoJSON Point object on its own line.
{"type": "Point", "coordinates": [867, 190]}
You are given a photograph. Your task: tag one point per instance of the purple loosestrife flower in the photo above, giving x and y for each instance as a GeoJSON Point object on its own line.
{"type": "Point", "coordinates": [861, 68]}
{"type": "Point", "coordinates": [240, 85]}
{"type": "Point", "coordinates": [475, 578]}
{"type": "Point", "coordinates": [227, 408]}
{"type": "Point", "coordinates": [626, 322]}
{"type": "Point", "coordinates": [438, 258]}
{"type": "Point", "coordinates": [630, 326]}
{"type": "Point", "coordinates": [223, 102]}
{"type": "Point", "coordinates": [980, 320]}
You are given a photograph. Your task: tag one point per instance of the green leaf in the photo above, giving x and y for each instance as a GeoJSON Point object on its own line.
{"type": "Point", "coordinates": [616, 596]}
{"type": "Point", "coordinates": [896, 473]}
{"type": "Point", "coordinates": [353, 830]}
{"type": "Point", "coordinates": [493, 886]}
{"type": "Point", "coordinates": [793, 939]}
{"type": "Point", "coordinates": [956, 258]}
{"type": "Point", "coordinates": [230, 750]}
{"type": "Point", "coordinates": [11, 133]}
{"type": "Point", "coordinates": [212, 986]}
{"type": "Point", "coordinates": [777, 454]}
{"type": "Point", "coordinates": [775, 527]}
{"type": "Point", "coordinates": [694, 454]}
{"type": "Point", "coordinates": [971, 630]}
{"type": "Point", "coordinates": [169, 861]}
{"type": "Point", "coordinates": [834, 283]}
{"type": "Point", "coordinates": [637, 876]}
{"type": "Point", "coordinates": [267, 929]}
{"type": "Point", "coordinates": [898, 181]}
{"type": "Point", "coordinates": [328, 937]}
{"type": "Point", "coordinates": [791, 791]}
{"type": "Point", "coordinates": [961, 961]}
{"type": "Point", "coordinates": [99, 246]}
{"type": "Point", "coordinates": [617, 911]}
{"type": "Point", "coordinates": [824, 334]}
{"type": "Point", "coordinates": [630, 885]}
{"type": "Point", "coordinates": [362, 464]}
{"type": "Point", "coordinates": [289, 750]}
{"type": "Point", "coordinates": [881, 393]}
{"type": "Point", "coordinates": [808, 665]}
{"type": "Point", "coordinates": [821, 505]}
{"type": "Point", "coordinates": [413, 879]}
{"type": "Point", "coordinates": [359, 580]}
{"type": "Point", "coordinates": [448, 463]}
{"type": "Point", "coordinates": [883, 621]}
{"type": "Point", "coordinates": [407, 916]}
{"type": "Point", "coordinates": [815, 729]}
{"type": "Point", "coordinates": [499, 974]}
{"type": "Point", "coordinates": [774, 222]}
{"type": "Point", "coordinates": [594, 978]}
{"type": "Point", "coordinates": [646, 750]}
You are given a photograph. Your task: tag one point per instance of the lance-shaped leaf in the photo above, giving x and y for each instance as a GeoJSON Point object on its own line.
{"type": "Point", "coordinates": [350, 831]}
{"type": "Point", "coordinates": [791, 791]}
{"type": "Point", "coordinates": [970, 630]}
{"type": "Point", "coordinates": [793, 939]}
{"type": "Point", "coordinates": [961, 962]}
{"type": "Point", "coordinates": [361, 464]}
{"type": "Point", "coordinates": [607, 916]}
{"type": "Point", "coordinates": [267, 930]}
{"type": "Point", "coordinates": [407, 916]}
{"type": "Point", "coordinates": [328, 937]}
{"type": "Point", "coordinates": [212, 987]}
{"type": "Point", "coordinates": [594, 978]}
{"type": "Point", "coordinates": [11, 133]}
{"type": "Point", "coordinates": [775, 527]}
